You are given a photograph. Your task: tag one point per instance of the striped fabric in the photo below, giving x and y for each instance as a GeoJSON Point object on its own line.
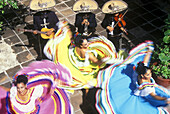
{"type": "Point", "coordinates": [116, 95]}
{"type": "Point", "coordinates": [59, 50]}
{"type": "Point", "coordinates": [52, 77]}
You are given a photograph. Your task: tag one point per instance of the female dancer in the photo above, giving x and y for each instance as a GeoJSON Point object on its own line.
{"type": "Point", "coordinates": [36, 90]}
{"type": "Point", "coordinates": [129, 91]}
{"type": "Point", "coordinates": [83, 66]}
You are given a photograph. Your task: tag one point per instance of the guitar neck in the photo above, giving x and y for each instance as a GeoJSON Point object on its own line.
{"type": "Point", "coordinates": [26, 30]}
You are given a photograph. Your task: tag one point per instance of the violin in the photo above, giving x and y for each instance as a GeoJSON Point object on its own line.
{"type": "Point", "coordinates": [120, 22]}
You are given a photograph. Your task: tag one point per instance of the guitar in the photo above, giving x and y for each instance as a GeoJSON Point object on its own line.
{"type": "Point", "coordinates": [43, 32]}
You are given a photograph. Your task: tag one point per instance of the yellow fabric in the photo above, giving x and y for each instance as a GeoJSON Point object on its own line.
{"type": "Point", "coordinates": [63, 58]}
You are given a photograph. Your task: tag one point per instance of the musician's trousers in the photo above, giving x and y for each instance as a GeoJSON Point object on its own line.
{"type": "Point", "coordinates": [115, 41]}
{"type": "Point", "coordinates": [41, 46]}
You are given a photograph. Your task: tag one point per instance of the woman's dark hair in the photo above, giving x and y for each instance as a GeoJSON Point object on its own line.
{"type": "Point", "coordinates": [21, 79]}
{"type": "Point", "coordinates": [141, 68]}
{"type": "Point", "coordinates": [79, 40]}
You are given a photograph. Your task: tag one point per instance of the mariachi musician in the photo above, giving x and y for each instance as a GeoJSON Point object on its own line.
{"type": "Point", "coordinates": [44, 18]}
{"type": "Point", "coordinates": [85, 20]}
{"type": "Point", "coordinates": [113, 21]}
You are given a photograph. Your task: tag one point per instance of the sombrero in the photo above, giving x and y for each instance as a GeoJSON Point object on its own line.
{"type": "Point", "coordinates": [114, 6]}
{"type": "Point", "coordinates": [41, 4]}
{"type": "Point", "coordinates": [85, 6]}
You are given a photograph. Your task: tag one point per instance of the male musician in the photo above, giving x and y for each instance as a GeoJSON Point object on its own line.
{"type": "Point", "coordinates": [44, 18]}
{"type": "Point", "coordinates": [113, 21]}
{"type": "Point", "coordinates": [86, 23]}
{"type": "Point", "coordinates": [113, 32]}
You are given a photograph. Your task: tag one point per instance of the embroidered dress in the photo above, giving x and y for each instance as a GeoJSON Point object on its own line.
{"type": "Point", "coordinates": [43, 78]}
{"type": "Point", "coordinates": [118, 86]}
{"type": "Point", "coordinates": [83, 72]}
{"type": "Point", "coordinates": [29, 104]}
{"type": "Point", "coordinates": [146, 88]}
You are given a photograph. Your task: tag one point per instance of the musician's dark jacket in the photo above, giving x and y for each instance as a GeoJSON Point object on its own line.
{"type": "Point", "coordinates": [107, 21]}
{"type": "Point", "coordinates": [92, 20]}
{"type": "Point", "coordinates": [51, 18]}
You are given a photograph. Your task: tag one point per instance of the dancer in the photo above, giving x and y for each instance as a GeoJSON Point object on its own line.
{"type": "Point", "coordinates": [137, 92]}
{"type": "Point", "coordinates": [84, 71]}
{"type": "Point", "coordinates": [36, 89]}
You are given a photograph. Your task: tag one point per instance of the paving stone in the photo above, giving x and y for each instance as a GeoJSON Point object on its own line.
{"type": "Point", "coordinates": [140, 11]}
{"type": "Point", "coordinates": [137, 31]}
{"type": "Point", "coordinates": [149, 7]}
{"type": "Point", "coordinates": [61, 7]}
{"type": "Point", "coordinates": [70, 3]}
{"type": "Point", "coordinates": [12, 40]}
{"type": "Point", "coordinates": [67, 12]}
{"type": "Point", "coordinates": [27, 63]}
{"type": "Point", "coordinates": [3, 78]}
{"type": "Point", "coordinates": [139, 20]}
{"type": "Point", "coordinates": [18, 48]}
{"type": "Point", "coordinates": [100, 16]}
{"type": "Point", "coordinates": [158, 34]}
{"type": "Point", "coordinates": [12, 71]}
{"type": "Point", "coordinates": [8, 33]}
{"type": "Point", "coordinates": [158, 22]}
{"type": "Point", "coordinates": [148, 27]}
{"type": "Point", "coordinates": [76, 101]}
{"type": "Point", "coordinates": [7, 85]}
{"type": "Point", "coordinates": [71, 19]}
{"type": "Point", "coordinates": [24, 56]}
{"type": "Point", "coordinates": [59, 15]}
{"type": "Point", "coordinates": [29, 18]}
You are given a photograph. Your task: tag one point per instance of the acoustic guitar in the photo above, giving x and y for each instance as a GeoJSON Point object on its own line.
{"type": "Point", "coordinates": [43, 32]}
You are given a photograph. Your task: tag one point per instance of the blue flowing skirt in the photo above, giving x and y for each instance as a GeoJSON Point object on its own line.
{"type": "Point", "coordinates": [116, 96]}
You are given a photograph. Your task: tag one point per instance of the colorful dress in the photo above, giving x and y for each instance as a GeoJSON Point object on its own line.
{"type": "Point", "coordinates": [43, 77]}
{"type": "Point", "coordinates": [117, 95]}
{"type": "Point", "coordinates": [146, 88]}
{"type": "Point", "coordinates": [83, 72]}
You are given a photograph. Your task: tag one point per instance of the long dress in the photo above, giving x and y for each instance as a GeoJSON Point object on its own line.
{"type": "Point", "coordinates": [43, 78]}
{"type": "Point", "coordinates": [119, 93]}
{"type": "Point", "coordinates": [83, 71]}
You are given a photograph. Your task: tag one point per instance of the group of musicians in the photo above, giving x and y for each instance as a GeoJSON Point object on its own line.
{"type": "Point", "coordinates": [85, 21]}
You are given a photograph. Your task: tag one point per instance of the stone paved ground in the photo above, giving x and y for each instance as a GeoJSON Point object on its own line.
{"type": "Point", "coordinates": [145, 19]}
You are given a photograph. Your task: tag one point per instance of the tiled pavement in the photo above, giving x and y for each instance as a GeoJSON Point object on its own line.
{"type": "Point", "coordinates": [145, 19]}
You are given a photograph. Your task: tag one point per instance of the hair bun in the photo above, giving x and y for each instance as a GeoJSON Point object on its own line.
{"type": "Point", "coordinates": [140, 69]}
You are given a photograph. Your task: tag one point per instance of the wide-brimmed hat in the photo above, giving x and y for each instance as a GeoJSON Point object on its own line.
{"type": "Point", "coordinates": [85, 6]}
{"type": "Point", "coordinates": [114, 6]}
{"type": "Point", "coordinates": [42, 4]}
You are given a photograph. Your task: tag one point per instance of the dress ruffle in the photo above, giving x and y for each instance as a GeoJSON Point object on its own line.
{"type": "Point", "coordinates": [51, 77]}
{"type": "Point", "coordinates": [117, 93]}
{"type": "Point", "coordinates": [59, 50]}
